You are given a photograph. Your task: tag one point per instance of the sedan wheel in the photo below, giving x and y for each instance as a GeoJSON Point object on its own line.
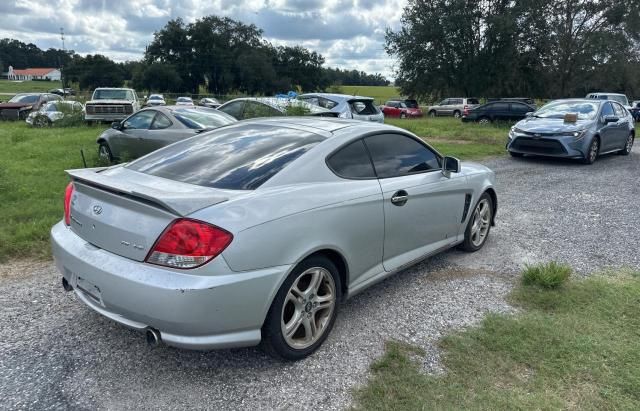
{"type": "Point", "coordinates": [479, 224]}
{"type": "Point", "coordinates": [592, 154]}
{"type": "Point", "coordinates": [627, 146]}
{"type": "Point", "coordinates": [304, 310]}
{"type": "Point", "coordinates": [41, 121]}
{"type": "Point", "coordinates": [484, 121]}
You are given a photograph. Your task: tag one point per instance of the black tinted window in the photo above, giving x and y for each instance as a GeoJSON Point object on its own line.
{"type": "Point", "coordinates": [237, 158]}
{"type": "Point", "coordinates": [233, 109]}
{"type": "Point", "coordinates": [520, 108]}
{"type": "Point", "coordinates": [396, 155]}
{"type": "Point", "coordinates": [473, 101]}
{"type": "Point", "coordinates": [352, 161]}
{"type": "Point", "coordinates": [500, 106]}
{"type": "Point", "coordinates": [607, 110]}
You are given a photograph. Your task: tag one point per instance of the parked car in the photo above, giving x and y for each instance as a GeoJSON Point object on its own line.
{"type": "Point", "coordinates": [497, 111]}
{"type": "Point", "coordinates": [259, 230]}
{"type": "Point", "coordinates": [53, 111]}
{"type": "Point", "coordinates": [20, 105]}
{"type": "Point", "coordinates": [111, 104]}
{"type": "Point", "coordinates": [184, 101]}
{"type": "Point", "coordinates": [253, 107]}
{"type": "Point", "coordinates": [402, 109]}
{"type": "Point", "coordinates": [155, 127]}
{"type": "Point", "coordinates": [574, 128]}
{"type": "Point", "coordinates": [63, 91]}
{"type": "Point", "coordinates": [346, 106]}
{"type": "Point", "coordinates": [209, 102]}
{"type": "Point", "coordinates": [635, 110]}
{"type": "Point", "coordinates": [155, 100]}
{"type": "Point", "coordinates": [525, 100]}
{"type": "Point", "coordinates": [620, 98]}
{"type": "Point", "coordinates": [453, 107]}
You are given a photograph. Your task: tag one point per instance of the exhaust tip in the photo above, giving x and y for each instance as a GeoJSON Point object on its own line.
{"type": "Point", "coordinates": [153, 337]}
{"type": "Point", "coordinates": [66, 285]}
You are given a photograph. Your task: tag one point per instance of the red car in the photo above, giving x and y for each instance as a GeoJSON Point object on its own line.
{"type": "Point", "coordinates": [402, 109]}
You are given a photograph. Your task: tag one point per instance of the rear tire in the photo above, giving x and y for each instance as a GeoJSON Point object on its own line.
{"type": "Point", "coordinates": [628, 145]}
{"type": "Point", "coordinates": [592, 152]}
{"type": "Point", "coordinates": [307, 306]}
{"type": "Point", "coordinates": [479, 225]}
{"type": "Point", "coordinates": [41, 121]}
{"type": "Point", "coordinates": [457, 114]}
{"type": "Point", "coordinates": [484, 120]}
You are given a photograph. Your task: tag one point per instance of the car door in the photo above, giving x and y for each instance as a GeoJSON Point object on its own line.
{"type": "Point", "coordinates": [422, 207]}
{"type": "Point", "coordinates": [501, 112]}
{"type": "Point", "coordinates": [518, 111]}
{"type": "Point", "coordinates": [391, 109]}
{"type": "Point", "coordinates": [442, 107]}
{"type": "Point", "coordinates": [608, 131]}
{"type": "Point", "coordinates": [162, 133]}
{"type": "Point", "coordinates": [131, 139]}
{"type": "Point", "coordinates": [622, 130]}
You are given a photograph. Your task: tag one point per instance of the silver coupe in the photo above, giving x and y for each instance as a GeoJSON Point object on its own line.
{"type": "Point", "coordinates": [257, 231]}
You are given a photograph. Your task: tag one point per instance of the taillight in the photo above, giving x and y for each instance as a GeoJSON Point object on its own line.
{"type": "Point", "coordinates": [465, 110]}
{"type": "Point", "coordinates": [68, 193]}
{"type": "Point", "coordinates": [187, 243]}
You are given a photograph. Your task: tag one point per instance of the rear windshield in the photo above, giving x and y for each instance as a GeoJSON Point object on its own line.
{"type": "Point", "coordinates": [473, 101]}
{"type": "Point", "coordinates": [25, 98]}
{"type": "Point", "coordinates": [237, 158]}
{"type": "Point", "coordinates": [412, 103]}
{"type": "Point", "coordinates": [363, 107]}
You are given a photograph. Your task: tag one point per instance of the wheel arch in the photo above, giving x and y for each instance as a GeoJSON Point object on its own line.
{"type": "Point", "coordinates": [494, 201]}
{"type": "Point", "coordinates": [338, 260]}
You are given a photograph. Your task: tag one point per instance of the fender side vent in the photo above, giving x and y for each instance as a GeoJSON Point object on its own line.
{"type": "Point", "coordinates": [467, 203]}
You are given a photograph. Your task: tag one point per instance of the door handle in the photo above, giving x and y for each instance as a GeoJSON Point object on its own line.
{"type": "Point", "coordinates": [400, 198]}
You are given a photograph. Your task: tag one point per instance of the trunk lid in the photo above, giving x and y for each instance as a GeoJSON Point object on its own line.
{"type": "Point", "coordinates": [124, 211]}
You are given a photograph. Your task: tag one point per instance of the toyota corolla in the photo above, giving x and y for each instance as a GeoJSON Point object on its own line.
{"type": "Point", "coordinates": [258, 230]}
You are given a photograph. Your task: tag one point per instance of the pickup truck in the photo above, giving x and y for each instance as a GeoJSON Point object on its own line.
{"type": "Point", "coordinates": [111, 104]}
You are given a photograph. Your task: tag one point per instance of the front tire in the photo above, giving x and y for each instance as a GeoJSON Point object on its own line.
{"type": "Point", "coordinates": [303, 311]}
{"type": "Point", "coordinates": [479, 225]}
{"type": "Point", "coordinates": [403, 115]}
{"type": "Point", "coordinates": [104, 153]}
{"type": "Point", "coordinates": [592, 152]}
{"type": "Point", "coordinates": [628, 145]}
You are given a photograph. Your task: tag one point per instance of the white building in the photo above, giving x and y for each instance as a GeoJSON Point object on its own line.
{"type": "Point", "coordinates": [34, 74]}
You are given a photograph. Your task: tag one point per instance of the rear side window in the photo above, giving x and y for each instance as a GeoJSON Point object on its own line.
{"type": "Point", "coordinates": [620, 112]}
{"type": "Point", "coordinates": [352, 161]}
{"type": "Point", "coordinates": [161, 122]}
{"type": "Point", "coordinates": [500, 106]}
{"type": "Point", "coordinates": [397, 155]}
{"type": "Point", "coordinates": [363, 107]}
{"type": "Point", "coordinates": [233, 109]}
{"type": "Point", "coordinates": [254, 109]}
{"type": "Point", "coordinates": [473, 101]}
{"type": "Point", "coordinates": [237, 158]}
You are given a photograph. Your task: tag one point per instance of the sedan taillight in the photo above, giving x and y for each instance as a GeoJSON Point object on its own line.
{"type": "Point", "coordinates": [68, 193]}
{"type": "Point", "coordinates": [188, 243]}
{"type": "Point", "coordinates": [465, 111]}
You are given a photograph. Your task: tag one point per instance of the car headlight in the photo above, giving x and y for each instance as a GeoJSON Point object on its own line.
{"type": "Point", "coordinates": [514, 130]}
{"type": "Point", "coordinates": [579, 135]}
{"type": "Point", "coordinates": [26, 108]}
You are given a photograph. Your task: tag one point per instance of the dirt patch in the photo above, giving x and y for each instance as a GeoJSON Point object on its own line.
{"type": "Point", "coordinates": [22, 268]}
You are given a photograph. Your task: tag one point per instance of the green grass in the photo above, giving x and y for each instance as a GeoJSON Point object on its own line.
{"type": "Point", "coordinates": [550, 275]}
{"type": "Point", "coordinates": [32, 182]}
{"type": "Point", "coordinates": [380, 93]}
{"type": "Point", "coordinates": [12, 87]}
{"type": "Point", "coordinates": [574, 347]}
{"type": "Point", "coordinates": [452, 137]}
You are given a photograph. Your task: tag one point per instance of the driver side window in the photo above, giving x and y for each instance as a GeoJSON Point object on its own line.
{"type": "Point", "coordinates": [140, 121]}
{"type": "Point", "coordinates": [396, 155]}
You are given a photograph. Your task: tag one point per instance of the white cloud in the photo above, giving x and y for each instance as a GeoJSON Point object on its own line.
{"type": "Point", "coordinates": [348, 33]}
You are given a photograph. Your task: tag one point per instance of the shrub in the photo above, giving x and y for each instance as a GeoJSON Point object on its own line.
{"type": "Point", "coordinates": [549, 275]}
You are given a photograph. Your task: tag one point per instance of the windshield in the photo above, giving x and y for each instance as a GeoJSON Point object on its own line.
{"type": "Point", "coordinates": [585, 110]}
{"type": "Point", "coordinates": [25, 98]}
{"type": "Point", "coordinates": [183, 100]}
{"type": "Point", "coordinates": [112, 94]}
{"type": "Point", "coordinates": [199, 119]}
{"type": "Point", "coordinates": [155, 97]}
{"type": "Point", "coordinates": [620, 99]}
{"type": "Point", "coordinates": [411, 103]}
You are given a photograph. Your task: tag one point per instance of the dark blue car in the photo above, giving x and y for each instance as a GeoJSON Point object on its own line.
{"type": "Point", "coordinates": [576, 128]}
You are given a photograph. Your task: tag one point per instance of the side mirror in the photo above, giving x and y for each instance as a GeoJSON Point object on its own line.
{"type": "Point", "coordinates": [450, 165]}
{"type": "Point", "coordinates": [610, 119]}
{"type": "Point", "coordinates": [529, 114]}
{"type": "Point", "coordinates": [115, 125]}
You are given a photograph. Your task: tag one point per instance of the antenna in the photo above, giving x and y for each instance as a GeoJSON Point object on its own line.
{"type": "Point", "coordinates": [61, 65]}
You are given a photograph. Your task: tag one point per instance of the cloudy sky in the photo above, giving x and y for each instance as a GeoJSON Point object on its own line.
{"type": "Point", "coordinates": [348, 33]}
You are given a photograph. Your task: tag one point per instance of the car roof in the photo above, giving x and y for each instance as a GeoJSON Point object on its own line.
{"type": "Point", "coordinates": [604, 93]}
{"type": "Point", "coordinates": [335, 96]}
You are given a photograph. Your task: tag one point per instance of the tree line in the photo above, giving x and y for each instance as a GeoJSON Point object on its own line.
{"type": "Point", "coordinates": [517, 48]}
{"type": "Point", "coordinates": [222, 55]}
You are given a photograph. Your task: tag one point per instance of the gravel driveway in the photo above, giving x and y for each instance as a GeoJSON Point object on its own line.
{"type": "Point", "coordinates": [55, 353]}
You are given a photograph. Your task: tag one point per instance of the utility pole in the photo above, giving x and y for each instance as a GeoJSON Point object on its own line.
{"type": "Point", "coordinates": [62, 63]}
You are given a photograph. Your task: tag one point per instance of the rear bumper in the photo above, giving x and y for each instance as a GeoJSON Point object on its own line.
{"type": "Point", "coordinates": [213, 308]}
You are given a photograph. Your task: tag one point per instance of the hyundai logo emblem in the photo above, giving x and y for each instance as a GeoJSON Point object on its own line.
{"type": "Point", "coordinates": [97, 209]}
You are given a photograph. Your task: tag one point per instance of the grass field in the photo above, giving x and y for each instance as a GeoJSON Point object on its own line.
{"type": "Point", "coordinates": [32, 178]}
{"type": "Point", "coordinates": [574, 347]}
{"type": "Point", "coordinates": [380, 93]}
{"type": "Point", "coordinates": [13, 87]}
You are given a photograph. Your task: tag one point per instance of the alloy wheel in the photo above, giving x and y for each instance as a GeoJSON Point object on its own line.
{"type": "Point", "coordinates": [593, 151]}
{"type": "Point", "coordinates": [481, 223]}
{"type": "Point", "coordinates": [308, 308]}
{"type": "Point", "coordinates": [629, 144]}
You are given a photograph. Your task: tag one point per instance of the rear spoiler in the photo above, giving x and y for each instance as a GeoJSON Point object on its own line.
{"type": "Point", "coordinates": [181, 199]}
